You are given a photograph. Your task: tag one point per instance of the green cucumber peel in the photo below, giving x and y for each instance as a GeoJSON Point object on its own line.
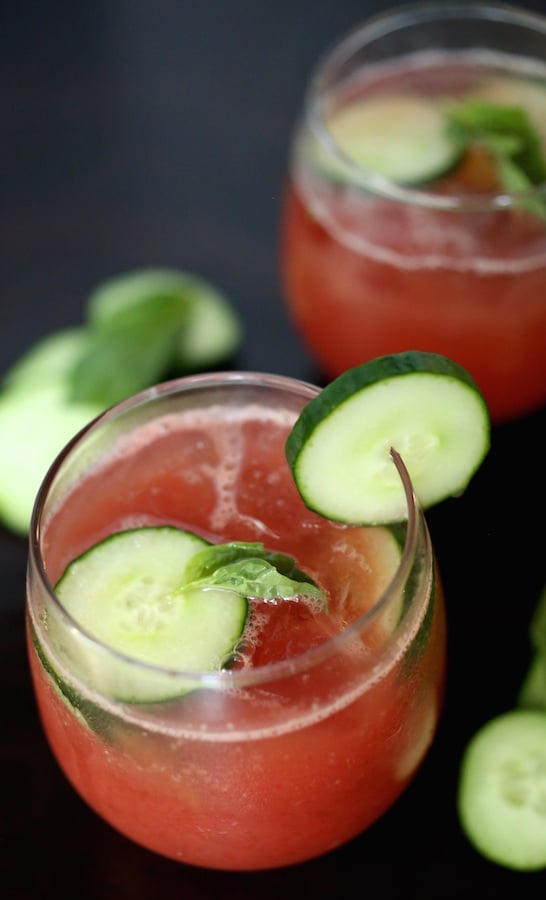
{"type": "Point", "coordinates": [252, 571]}
{"type": "Point", "coordinates": [509, 136]}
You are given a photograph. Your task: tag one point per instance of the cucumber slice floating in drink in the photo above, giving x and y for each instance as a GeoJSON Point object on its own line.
{"type": "Point", "coordinates": [423, 405]}
{"type": "Point", "coordinates": [167, 598]}
{"type": "Point", "coordinates": [129, 593]}
{"type": "Point", "coordinates": [403, 138]}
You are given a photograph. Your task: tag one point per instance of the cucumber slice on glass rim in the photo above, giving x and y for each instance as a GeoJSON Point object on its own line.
{"type": "Point", "coordinates": [422, 405]}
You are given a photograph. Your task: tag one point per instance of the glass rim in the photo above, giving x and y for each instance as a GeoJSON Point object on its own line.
{"type": "Point", "coordinates": [228, 678]}
{"type": "Point", "coordinates": [380, 25]}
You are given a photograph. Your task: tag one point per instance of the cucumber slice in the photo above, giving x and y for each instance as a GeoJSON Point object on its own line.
{"type": "Point", "coordinates": [49, 360]}
{"type": "Point", "coordinates": [213, 332]}
{"type": "Point", "coordinates": [36, 413]}
{"type": "Point", "coordinates": [210, 330]}
{"type": "Point", "coordinates": [502, 790]}
{"type": "Point", "coordinates": [401, 137]}
{"type": "Point", "coordinates": [37, 423]}
{"type": "Point", "coordinates": [128, 592]}
{"type": "Point", "coordinates": [425, 406]}
{"type": "Point", "coordinates": [86, 711]}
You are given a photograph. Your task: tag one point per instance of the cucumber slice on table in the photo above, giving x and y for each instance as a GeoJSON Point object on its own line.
{"type": "Point", "coordinates": [403, 138]}
{"type": "Point", "coordinates": [502, 790]}
{"type": "Point", "coordinates": [425, 406]}
{"type": "Point", "coordinates": [48, 361]}
{"type": "Point", "coordinates": [35, 423]}
{"type": "Point", "coordinates": [128, 592]}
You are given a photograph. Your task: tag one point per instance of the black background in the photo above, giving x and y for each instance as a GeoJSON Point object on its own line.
{"type": "Point", "coordinates": [138, 133]}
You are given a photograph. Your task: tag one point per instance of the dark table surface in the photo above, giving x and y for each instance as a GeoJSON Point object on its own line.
{"type": "Point", "coordinates": [155, 133]}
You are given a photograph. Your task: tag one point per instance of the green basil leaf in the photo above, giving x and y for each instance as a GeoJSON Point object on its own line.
{"type": "Point", "coordinates": [129, 351]}
{"type": "Point", "coordinates": [515, 181]}
{"type": "Point", "coordinates": [509, 135]}
{"type": "Point", "coordinates": [252, 571]}
{"type": "Point", "coordinates": [508, 129]}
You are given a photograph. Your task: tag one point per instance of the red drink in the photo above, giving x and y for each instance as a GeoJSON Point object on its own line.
{"type": "Point", "coordinates": [372, 268]}
{"type": "Point", "coordinates": [310, 737]}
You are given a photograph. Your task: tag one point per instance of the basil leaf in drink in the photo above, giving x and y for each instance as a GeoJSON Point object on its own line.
{"type": "Point", "coordinates": [252, 571]}
{"type": "Point", "coordinates": [130, 351]}
{"type": "Point", "coordinates": [507, 133]}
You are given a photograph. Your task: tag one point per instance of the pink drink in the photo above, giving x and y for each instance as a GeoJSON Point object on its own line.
{"type": "Point", "coordinates": [312, 736]}
{"type": "Point", "coordinates": [372, 269]}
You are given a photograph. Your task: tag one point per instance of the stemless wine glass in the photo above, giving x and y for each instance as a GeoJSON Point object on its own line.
{"type": "Point", "coordinates": [431, 251]}
{"type": "Point", "coordinates": [320, 721]}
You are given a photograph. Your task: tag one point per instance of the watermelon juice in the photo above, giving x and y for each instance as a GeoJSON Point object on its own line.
{"type": "Point", "coordinates": [323, 717]}
{"type": "Point", "coordinates": [453, 264]}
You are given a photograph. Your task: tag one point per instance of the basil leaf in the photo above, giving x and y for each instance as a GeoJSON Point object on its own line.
{"type": "Point", "coordinates": [508, 134]}
{"type": "Point", "coordinates": [252, 571]}
{"type": "Point", "coordinates": [506, 129]}
{"type": "Point", "coordinates": [128, 352]}
{"type": "Point", "coordinates": [515, 181]}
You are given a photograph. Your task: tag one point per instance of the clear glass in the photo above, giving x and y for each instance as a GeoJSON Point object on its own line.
{"type": "Point", "coordinates": [293, 753]}
{"type": "Point", "coordinates": [456, 265]}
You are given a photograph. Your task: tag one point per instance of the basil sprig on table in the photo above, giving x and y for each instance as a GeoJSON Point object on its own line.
{"type": "Point", "coordinates": [130, 351]}
{"type": "Point", "coordinates": [145, 325]}
{"type": "Point", "coordinates": [252, 571]}
{"type": "Point", "coordinates": [507, 134]}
